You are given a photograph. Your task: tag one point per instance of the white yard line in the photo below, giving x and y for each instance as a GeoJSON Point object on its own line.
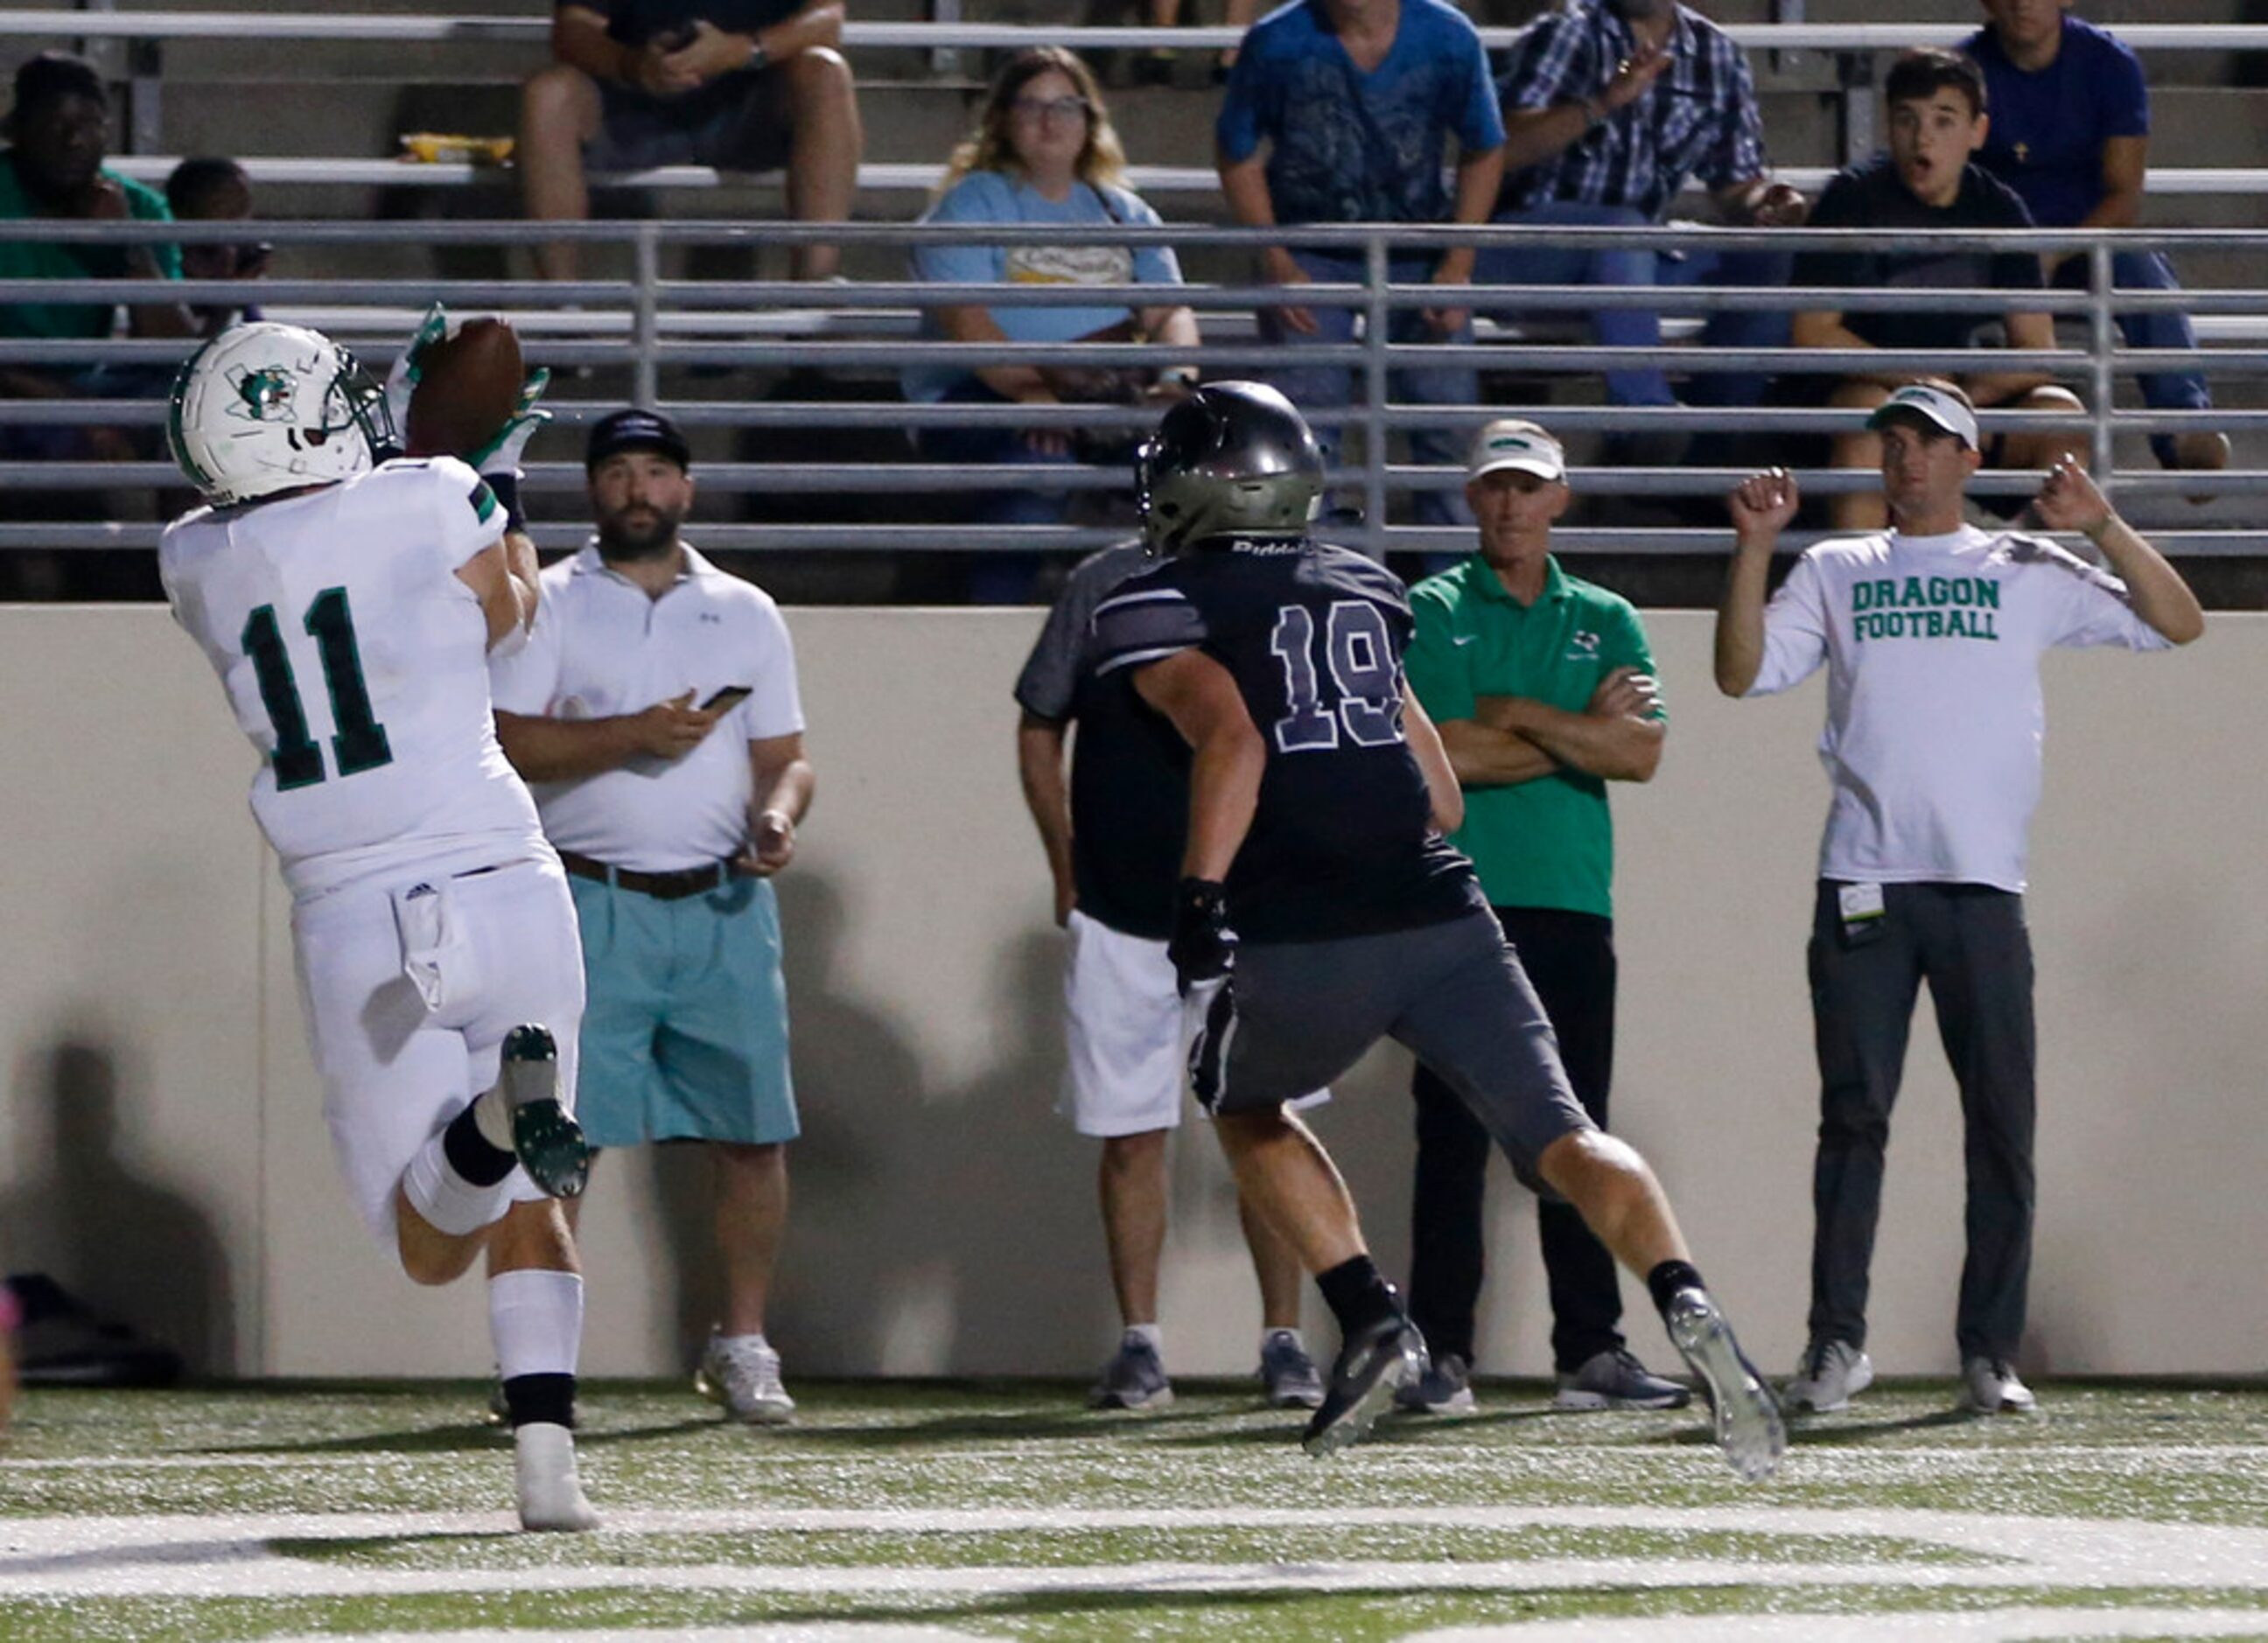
{"type": "Point", "coordinates": [231, 1554]}
{"type": "Point", "coordinates": [1998, 1626]}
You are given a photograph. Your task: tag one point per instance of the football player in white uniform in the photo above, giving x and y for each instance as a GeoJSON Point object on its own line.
{"type": "Point", "coordinates": [349, 603]}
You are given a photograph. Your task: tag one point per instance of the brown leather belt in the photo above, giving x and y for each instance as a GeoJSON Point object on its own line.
{"type": "Point", "coordinates": [663, 887]}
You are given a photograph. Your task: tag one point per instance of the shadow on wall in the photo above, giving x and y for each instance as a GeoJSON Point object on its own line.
{"type": "Point", "coordinates": [129, 1246]}
{"type": "Point", "coordinates": [936, 1244]}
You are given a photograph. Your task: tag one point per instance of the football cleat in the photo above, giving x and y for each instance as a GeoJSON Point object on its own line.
{"type": "Point", "coordinates": [545, 1136]}
{"type": "Point", "coordinates": [1747, 1423]}
{"type": "Point", "coordinates": [549, 1488]}
{"type": "Point", "coordinates": [1371, 1366]}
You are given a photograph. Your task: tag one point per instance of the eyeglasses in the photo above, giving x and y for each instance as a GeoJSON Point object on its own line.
{"type": "Point", "coordinates": [1066, 109]}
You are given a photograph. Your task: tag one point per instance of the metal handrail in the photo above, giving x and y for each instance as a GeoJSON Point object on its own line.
{"type": "Point", "coordinates": [161, 25]}
{"type": "Point", "coordinates": [649, 324]}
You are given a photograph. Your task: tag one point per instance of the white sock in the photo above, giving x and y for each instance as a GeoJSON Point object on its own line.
{"type": "Point", "coordinates": [449, 1202]}
{"type": "Point", "coordinates": [493, 1113]}
{"type": "Point", "coordinates": [756, 1339]}
{"type": "Point", "coordinates": [535, 1318]}
{"type": "Point", "coordinates": [1149, 1332]}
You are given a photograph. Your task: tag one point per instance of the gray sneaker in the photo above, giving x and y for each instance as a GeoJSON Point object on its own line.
{"type": "Point", "coordinates": [1616, 1380]}
{"type": "Point", "coordinates": [1445, 1388]}
{"type": "Point", "coordinates": [1748, 1427]}
{"type": "Point", "coordinates": [544, 1135]}
{"type": "Point", "coordinates": [1989, 1387]}
{"type": "Point", "coordinates": [742, 1372]}
{"type": "Point", "coordinates": [1135, 1378]}
{"type": "Point", "coordinates": [1288, 1373]}
{"type": "Point", "coordinates": [1832, 1372]}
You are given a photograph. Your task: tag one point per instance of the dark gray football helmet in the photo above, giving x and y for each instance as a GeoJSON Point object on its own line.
{"type": "Point", "coordinates": [1234, 459]}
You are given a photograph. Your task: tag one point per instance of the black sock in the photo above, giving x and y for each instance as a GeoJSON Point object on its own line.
{"type": "Point", "coordinates": [1668, 1279]}
{"type": "Point", "coordinates": [540, 1397]}
{"type": "Point", "coordinates": [472, 1155]}
{"type": "Point", "coordinates": [1357, 1295]}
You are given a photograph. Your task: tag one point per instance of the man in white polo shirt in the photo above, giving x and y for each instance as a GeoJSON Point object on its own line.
{"type": "Point", "coordinates": [1932, 633]}
{"type": "Point", "coordinates": [655, 716]}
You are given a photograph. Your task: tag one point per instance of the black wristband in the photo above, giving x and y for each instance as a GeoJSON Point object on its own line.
{"type": "Point", "coordinates": [505, 488]}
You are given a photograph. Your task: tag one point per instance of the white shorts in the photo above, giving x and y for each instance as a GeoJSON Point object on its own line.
{"type": "Point", "coordinates": [1126, 1034]}
{"type": "Point", "coordinates": [407, 996]}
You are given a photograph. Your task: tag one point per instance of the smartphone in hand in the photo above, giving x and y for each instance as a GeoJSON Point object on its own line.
{"type": "Point", "coordinates": [728, 698]}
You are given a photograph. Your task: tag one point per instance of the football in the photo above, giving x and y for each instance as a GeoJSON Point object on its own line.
{"type": "Point", "coordinates": [467, 385]}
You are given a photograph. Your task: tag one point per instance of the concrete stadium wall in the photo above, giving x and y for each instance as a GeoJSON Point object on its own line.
{"type": "Point", "coordinates": [161, 1149]}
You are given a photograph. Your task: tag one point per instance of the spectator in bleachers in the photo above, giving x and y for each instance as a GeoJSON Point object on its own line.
{"type": "Point", "coordinates": [2071, 134]}
{"type": "Point", "coordinates": [58, 129]}
{"type": "Point", "coordinates": [1609, 106]}
{"type": "Point", "coordinates": [1043, 153]}
{"type": "Point", "coordinates": [1354, 103]}
{"type": "Point", "coordinates": [740, 84]}
{"type": "Point", "coordinates": [211, 189]}
{"type": "Point", "coordinates": [1929, 178]}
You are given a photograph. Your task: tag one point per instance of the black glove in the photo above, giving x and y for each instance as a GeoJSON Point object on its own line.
{"type": "Point", "coordinates": [1203, 947]}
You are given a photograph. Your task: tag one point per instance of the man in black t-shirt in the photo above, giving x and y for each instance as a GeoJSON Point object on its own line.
{"type": "Point", "coordinates": [1929, 180]}
{"type": "Point", "coordinates": [1114, 845]}
{"type": "Point", "coordinates": [1321, 909]}
{"type": "Point", "coordinates": [740, 84]}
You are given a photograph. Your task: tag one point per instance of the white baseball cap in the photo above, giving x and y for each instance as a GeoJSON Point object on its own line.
{"type": "Point", "coordinates": [1933, 405]}
{"type": "Point", "coordinates": [1520, 445]}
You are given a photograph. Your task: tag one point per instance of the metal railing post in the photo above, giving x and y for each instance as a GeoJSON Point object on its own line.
{"type": "Point", "coordinates": [647, 330]}
{"type": "Point", "coordinates": [1376, 268]}
{"type": "Point", "coordinates": [2101, 337]}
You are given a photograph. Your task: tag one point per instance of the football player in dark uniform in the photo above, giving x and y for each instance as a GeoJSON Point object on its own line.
{"type": "Point", "coordinates": [1321, 909]}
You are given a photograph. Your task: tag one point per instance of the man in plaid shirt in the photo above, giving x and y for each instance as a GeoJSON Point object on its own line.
{"type": "Point", "coordinates": [1609, 106]}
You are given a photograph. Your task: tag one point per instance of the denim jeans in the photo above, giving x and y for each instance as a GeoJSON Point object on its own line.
{"type": "Point", "coordinates": [2162, 390]}
{"type": "Point", "coordinates": [1313, 387]}
{"type": "Point", "coordinates": [1632, 328]}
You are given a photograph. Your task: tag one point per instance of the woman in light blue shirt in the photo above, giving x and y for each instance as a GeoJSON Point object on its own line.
{"type": "Point", "coordinates": [1043, 152]}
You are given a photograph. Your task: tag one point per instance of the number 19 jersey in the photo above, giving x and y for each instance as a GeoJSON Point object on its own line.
{"type": "Point", "coordinates": [1342, 842]}
{"type": "Point", "coordinates": [357, 662]}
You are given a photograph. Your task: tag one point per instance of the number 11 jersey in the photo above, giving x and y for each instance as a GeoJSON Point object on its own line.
{"type": "Point", "coordinates": [1342, 842]}
{"type": "Point", "coordinates": [355, 660]}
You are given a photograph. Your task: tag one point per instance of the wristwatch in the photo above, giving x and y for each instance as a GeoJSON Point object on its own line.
{"type": "Point", "coordinates": [757, 55]}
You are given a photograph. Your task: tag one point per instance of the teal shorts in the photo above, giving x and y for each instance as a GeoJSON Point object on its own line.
{"type": "Point", "coordinates": [686, 1032]}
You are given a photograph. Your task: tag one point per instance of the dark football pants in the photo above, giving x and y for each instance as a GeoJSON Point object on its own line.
{"type": "Point", "coordinates": [1570, 958]}
{"type": "Point", "coordinates": [1969, 943]}
{"type": "Point", "coordinates": [1297, 1015]}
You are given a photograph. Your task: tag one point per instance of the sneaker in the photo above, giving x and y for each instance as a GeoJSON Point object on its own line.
{"type": "Point", "coordinates": [544, 1135]}
{"type": "Point", "coordinates": [1443, 1386]}
{"type": "Point", "coordinates": [1135, 1378]}
{"type": "Point", "coordinates": [61, 1341]}
{"type": "Point", "coordinates": [1616, 1380]}
{"type": "Point", "coordinates": [1373, 1365]}
{"type": "Point", "coordinates": [1748, 1428]}
{"type": "Point", "coordinates": [499, 1412]}
{"type": "Point", "coordinates": [1990, 1386]}
{"type": "Point", "coordinates": [543, 1471]}
{"type": "Point", "coordinates": [1830, 1373]}
{"type": "Point", "coordinates": [742, 1372]}
{"type": "Point", "coordinates": [1288, 1373]}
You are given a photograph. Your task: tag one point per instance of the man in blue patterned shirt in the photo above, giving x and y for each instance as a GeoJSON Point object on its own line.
{"type": "Point", "coordinates": [1609, 106]}
{"type": "Point", "coordinates": [1355, 102]}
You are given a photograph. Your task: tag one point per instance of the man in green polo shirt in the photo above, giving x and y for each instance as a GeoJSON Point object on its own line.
{"type": "Point", "coordinates": [1543, 686]}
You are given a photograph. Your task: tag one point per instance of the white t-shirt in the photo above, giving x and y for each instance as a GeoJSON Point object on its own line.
{"type": "Point", "coordinates": [602, 648]}
{"type": "Point", "coordinates": [1934, 717]}
{"type": "Point", "coordinates": [357, 661]}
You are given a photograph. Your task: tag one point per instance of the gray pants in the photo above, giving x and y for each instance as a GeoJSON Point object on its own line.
{"type": "Point", "coordinates": [1298, 1014]}
{"type": "Point", "coordinates": [1969, 943]}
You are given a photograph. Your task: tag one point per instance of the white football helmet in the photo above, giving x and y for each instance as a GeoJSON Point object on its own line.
{"type": "Point", "coordinates": [265, 408]}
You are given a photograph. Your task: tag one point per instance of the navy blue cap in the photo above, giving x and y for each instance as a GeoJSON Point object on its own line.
{"type": "Point", "coordinates": [637, 429]}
